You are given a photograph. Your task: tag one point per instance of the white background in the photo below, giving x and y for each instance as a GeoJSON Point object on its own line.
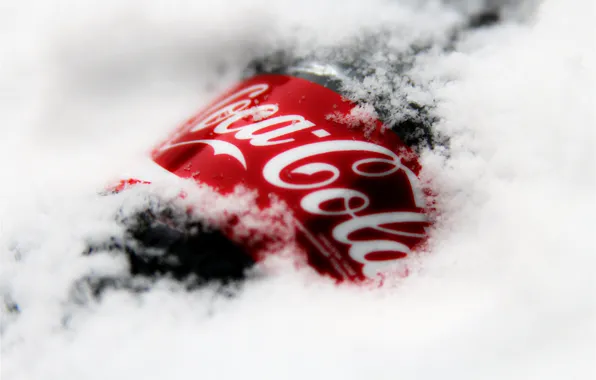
{"type": "Point", "coordinates": [507, 290]}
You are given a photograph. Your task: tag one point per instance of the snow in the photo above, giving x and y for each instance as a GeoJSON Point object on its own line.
{"type": "Point", "coordinates": [506, 291]}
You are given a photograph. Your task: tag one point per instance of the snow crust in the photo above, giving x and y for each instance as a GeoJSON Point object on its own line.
{"type": "Point", "coordinates": [506, 290]}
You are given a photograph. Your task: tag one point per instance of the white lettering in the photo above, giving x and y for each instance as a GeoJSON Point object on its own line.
{"type": "Point", "coordinates": [313, 201]}
{"type": "Point", "coordinates": [333, 201]}
{"type": "Point", "coordinates": [219, 147]}
{"type": "Point", "coordinates": [273, 168]}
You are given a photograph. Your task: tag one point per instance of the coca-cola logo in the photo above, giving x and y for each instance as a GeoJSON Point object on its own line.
{"type": "Point", "coordinates": [241, 126]}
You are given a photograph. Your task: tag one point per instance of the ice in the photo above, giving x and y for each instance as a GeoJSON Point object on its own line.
{"type": "Point", "coordinates": [506, 290]}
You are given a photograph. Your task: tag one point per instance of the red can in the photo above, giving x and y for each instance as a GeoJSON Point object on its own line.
{"type": "Point", "coordinates": [350, 185]}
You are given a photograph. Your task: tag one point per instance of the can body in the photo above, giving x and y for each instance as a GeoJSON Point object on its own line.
{"type": "Point", "coordinates": [350, 186]}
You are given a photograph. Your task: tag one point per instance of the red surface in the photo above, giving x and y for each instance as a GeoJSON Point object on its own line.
{"type": "Point", "coordinates": [353, 221]}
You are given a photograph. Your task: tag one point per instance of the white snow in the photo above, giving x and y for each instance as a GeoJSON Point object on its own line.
{"type": "Point", "coordinates": [506, 291]}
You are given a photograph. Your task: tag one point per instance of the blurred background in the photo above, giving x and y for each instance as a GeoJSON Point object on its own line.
{"type": "Point", "coordinates": [506, 289]}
